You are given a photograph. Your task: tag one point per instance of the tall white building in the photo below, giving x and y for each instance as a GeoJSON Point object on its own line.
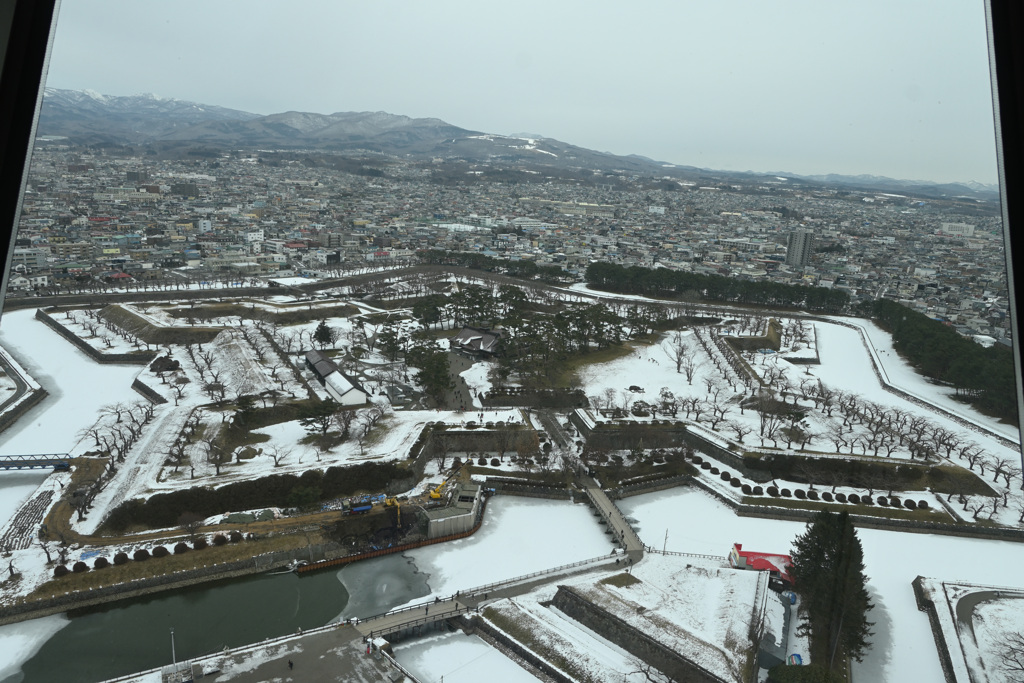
{"type": "Point", "coordinates": [962, 229]}
{"type": "Point", "coordinates": [799, 247]}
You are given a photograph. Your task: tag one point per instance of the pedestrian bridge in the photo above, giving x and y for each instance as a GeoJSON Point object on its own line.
{"type": "Point", "coordinates": [55, 461]}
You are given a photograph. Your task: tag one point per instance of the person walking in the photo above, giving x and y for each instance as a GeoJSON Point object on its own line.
{"type": "Point", "coordinates": [290, 664]}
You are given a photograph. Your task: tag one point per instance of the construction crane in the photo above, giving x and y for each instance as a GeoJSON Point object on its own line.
{"type": "Point", "coordinates": [438, 491]}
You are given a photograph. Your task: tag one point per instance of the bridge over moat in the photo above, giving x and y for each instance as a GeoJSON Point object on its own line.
{"type": "Point", "coordinates": [55, 461]}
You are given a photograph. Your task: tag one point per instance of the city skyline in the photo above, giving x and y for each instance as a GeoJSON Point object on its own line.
{"type": "Point", "coordinates": [811, 90]}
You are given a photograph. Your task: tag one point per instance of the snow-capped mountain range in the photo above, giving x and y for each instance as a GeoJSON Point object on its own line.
{"type": "Point", "coordinates": [88, 117]}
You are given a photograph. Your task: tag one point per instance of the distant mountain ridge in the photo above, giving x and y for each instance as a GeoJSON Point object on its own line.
{"type": "Point", "coordinates": [87, 117]}
{"type": "Point", "coordinates": [86, 114]}
{"type": "Point", "coordinates": [867, 180]}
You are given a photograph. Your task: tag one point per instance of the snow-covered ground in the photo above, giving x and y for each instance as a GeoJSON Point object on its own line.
{"type": "Point", "coordinates": [904, 647]}
{"type": "Point", "coordinates": [699, 607]}
{"type": "Point", "coordinates": [458, 658]}
{"type": "Point", "coordinates": [993, 621]}
{"type": "Point", "coordinates": [17, 486]}
{"type": "Point", "coordinates": [845, 364]}
{"type": "Point", "coordinates": [527, 534]}
{"type": "Point", "coordinates": [477, 381]}
{"type": "Point", "coordinates": [77, 386]}
{"type": "Point", "coordinates": [900, 373]}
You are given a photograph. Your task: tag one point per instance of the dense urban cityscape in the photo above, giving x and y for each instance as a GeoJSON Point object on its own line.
{"type": "Point", "coordinates": [95, 219]}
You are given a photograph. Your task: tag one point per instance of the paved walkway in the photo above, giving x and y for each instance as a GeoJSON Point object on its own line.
{"type": "Point", "coordinates": [549, 419]}
{"type": "Point", "coordinates": [459, 397]}
{"type": "Point", "coordinates": [335, 654]}
{"type": "Point", "coordinates": [616, 522]}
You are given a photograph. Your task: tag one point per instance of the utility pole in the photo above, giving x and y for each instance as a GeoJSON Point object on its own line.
{"type": "Point", "coordinates": [664, 545]}
{"type": "Point", "coordinates": [174, 658]}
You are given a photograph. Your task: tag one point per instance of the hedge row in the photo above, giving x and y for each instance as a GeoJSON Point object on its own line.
{"type": "Point", "coordinates": [811, 494]}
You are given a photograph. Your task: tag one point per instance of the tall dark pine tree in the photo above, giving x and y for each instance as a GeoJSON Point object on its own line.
{"type": "Point", "coordinates": [828, 571]}
{"type": "Point", "coordinates": [322, 334]}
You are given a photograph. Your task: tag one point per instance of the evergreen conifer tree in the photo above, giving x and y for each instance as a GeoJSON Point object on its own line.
{"type": "Point", "coordinates": [322, 334]}
{"type": "Point", "coordinates": [828, 573]}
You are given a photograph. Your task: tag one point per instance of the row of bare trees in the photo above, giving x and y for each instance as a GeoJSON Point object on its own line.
{"type": "Point", "coordinates": [116, 439]}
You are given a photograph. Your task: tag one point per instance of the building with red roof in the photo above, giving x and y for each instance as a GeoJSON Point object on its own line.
{"type": "Point", "coordinates": [776, 565]}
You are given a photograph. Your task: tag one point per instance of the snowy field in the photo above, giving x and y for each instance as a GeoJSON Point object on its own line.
{"type": "Point", "coordinates": [899, 373]}
{"type": "Point", "coordinates": [458, 658]}
{"type": "Point", "coordinates": [905, 650]}
{"type": "Point", "coordinates": [17, 486]}
{"type": "Point", "coordinates": [77, 386]}
{"type": "Point", "coordinates": [992, 622]}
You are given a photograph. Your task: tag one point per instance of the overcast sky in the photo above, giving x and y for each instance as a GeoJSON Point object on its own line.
{"type": "Point", "coordinates": [886, 87]}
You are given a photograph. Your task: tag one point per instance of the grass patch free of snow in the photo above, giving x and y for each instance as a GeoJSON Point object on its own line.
{"type": "Point", "coordinates": [570, 367]}
{"type": "Point", "coordinates": [620, 580]}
